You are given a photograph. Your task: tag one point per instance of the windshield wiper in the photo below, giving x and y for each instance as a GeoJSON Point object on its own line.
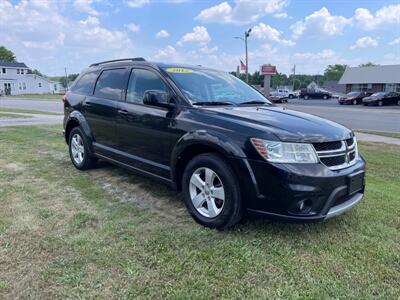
{"type": "Point", "coordinates": [254, 102]}
{"type": "Point", "coordinates": [213, 103]}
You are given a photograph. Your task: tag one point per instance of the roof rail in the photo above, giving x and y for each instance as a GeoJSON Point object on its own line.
{"type": "Point", "coordinates": [117, 60]}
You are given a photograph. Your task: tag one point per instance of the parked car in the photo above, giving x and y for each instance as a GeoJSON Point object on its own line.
{"type": "Point", "coordinates": [215, 138]}
{"type": "Point", "coordinates": [314, 94]}
{"type": "Point", "coordinates": [287, 93]}
{"type": "Point", "coordinates": [382, 98]}
{"type": "Point", "coordinates": [353, 98]}
{"type": "Point", "coordinates": [278, 97]}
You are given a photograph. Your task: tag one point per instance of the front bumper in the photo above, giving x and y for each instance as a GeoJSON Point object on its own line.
{"type": "Point", "coordinates": [281, 188]}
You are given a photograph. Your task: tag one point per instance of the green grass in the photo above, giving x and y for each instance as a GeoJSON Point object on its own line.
{"type": "Point", "coordinates": [109, 234]}
{"type": "Point", "coordinates": [36, 97]}
{"type": "Point", "coordinates": [27, 111]}
{"type": "Point", "coordinates": [382, 133]}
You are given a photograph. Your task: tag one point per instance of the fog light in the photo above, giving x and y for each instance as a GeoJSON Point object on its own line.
{"type": "Point", "coordinates": [304, 206]}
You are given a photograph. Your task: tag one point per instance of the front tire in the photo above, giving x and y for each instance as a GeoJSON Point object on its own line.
{"type": "Point", "coordinates": [79, 150]}
{"type": "Point", "coordinates": [306, 97]}
{"type": "Point", "coordinates": [380, 103]}
{"type": "Point", "coordinates": [354, 102]}
{"type": "Point", "coordinates": [325, 97]}
{"type": "Point", "coordinates": [211, 192]}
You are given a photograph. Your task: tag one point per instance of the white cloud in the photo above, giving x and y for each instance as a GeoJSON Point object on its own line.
{"type": "Point", "coordinates": [162, 34]}
{"type": "Point", "coordinates": [198, 35]}
{"type": "Point", "coordinates": [384, 16]}
{"type": "Point", "coordinates": [48, 40]}
{"type": "Point", "coordinates": [168, 53]}
{"type": "Point", "coordinates": [206, 50]}
{"type": "Point", "coordinates": [86, 7]}
{"type": "Point", "coordinates": [365, 42]}
{"type": "Point", "coordinates": [320, 22]}
{"type": "Point", "coordinates": [324, 54]}
{"type": "Point", "coordinates": [281, 15]}
{"type": "Point", "coordinates": [265, 32]}
{"type": "Point", "coordinates": [395, 41]}
{"type": "Point", "coordinates": [137, 3]}
{"type": "Point", "coordinates": [243, 11]}
{"type": "Point", "coordinates": [132, 27]}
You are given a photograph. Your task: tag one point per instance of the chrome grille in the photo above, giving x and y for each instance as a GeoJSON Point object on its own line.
{"type": "Point", "coordinates": [338, 154]}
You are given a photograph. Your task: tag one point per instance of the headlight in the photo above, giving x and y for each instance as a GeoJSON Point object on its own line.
{"type": "Point", "coordinates": [280, 152]}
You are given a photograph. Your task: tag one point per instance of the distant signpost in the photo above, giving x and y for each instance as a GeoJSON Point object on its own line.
{"type": "Point", "coordinates": [267, 71]}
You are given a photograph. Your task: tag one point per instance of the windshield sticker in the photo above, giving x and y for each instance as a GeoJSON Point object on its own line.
{"type": "Point", "coordinates": [179, 70]}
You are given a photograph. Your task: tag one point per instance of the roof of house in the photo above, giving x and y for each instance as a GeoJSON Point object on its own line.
{"type": "Point", "coordinates": [375, 74]}
{"type": "Point", "coordinates": [12, 64]}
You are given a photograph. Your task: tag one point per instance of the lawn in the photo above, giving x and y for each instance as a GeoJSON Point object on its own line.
{"type": "Point", "coordinates": [36, 97]}
{"type": "Point", "coordinates": [382, 133]}
{"type": "Point", "coordinates": [27, 111]}
{"type": "Point", "coordinates": [109, 234]}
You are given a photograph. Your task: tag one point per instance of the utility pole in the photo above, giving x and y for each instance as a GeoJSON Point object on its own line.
{"type": "Point", "coordinates": [246, 35]}
{"type": "Point", "coordinates": [294, 75]}
{"type": "Point", "coordinates": [66, 79]}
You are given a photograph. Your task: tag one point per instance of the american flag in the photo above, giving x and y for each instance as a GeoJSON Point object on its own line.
{"type": "Point", "coordinates": [242, 66]}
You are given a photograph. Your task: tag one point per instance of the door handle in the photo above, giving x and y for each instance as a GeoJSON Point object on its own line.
{"type": "Point", "coordinates": [123, 112]}
{"type": "Point", "coordinates": [87, 103]}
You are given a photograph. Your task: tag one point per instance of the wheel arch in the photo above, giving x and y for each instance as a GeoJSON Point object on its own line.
{"type": "Point", "coordinates": [198, 142]}
{"type": "Point", "coordinates": [75, 119]}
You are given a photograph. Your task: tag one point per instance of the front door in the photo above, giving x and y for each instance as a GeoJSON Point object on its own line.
{"type": "Point", "coordinates": [145, 132]}
{"type": "Point", "coordinates": [100, 109]}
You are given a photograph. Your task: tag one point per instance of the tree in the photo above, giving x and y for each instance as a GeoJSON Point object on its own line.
{"type": "Point", "coordinates": [6, 55]}
{"type": "Point", "coordinates": [37, 72]}
{"type": "Point", "coordinates": [334, 72]}
{"type": "Point", "coordinates": [369, 64]}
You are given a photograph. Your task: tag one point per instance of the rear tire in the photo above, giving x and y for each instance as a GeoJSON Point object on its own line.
{"type": "Point", "coordinates": [306, 97]}
{"type": "Point", "coordinates": [79, 151]}
{"type": "Point", "coordinates": [325, 97]}
{"type": "Point", "coordinates": [206, 180]}
{"type": "Point", "coordinates": [354, 102]}
{"type": "Point", "coordinates": [380, 103]}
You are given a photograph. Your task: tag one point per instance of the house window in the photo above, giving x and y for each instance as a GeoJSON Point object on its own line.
{"type": "Point", "coordinates": [4, 70]}
{"type": "Point", "coordinates": [20, 85]}
{"type": "Point", "coordinates": [24, 86]}
{"type": "Point", "coordinates": [40, 84]}
{"type": "Point", "coordinates": [17, 71]}
{"type": "Point", "coordinates": [22, 71]}
{"type": "Point", "coordinates": [361, 87]}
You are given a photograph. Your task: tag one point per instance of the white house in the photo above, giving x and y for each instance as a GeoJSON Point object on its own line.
{"type": "Point", "coordinates": [17, 79]}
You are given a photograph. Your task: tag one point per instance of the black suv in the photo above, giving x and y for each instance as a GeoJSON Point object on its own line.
{"type": "Point", "coordinates": [216, 139]}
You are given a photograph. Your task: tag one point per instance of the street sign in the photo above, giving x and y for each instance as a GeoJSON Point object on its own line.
{"type": "Point", "coordinates": [267, 70]}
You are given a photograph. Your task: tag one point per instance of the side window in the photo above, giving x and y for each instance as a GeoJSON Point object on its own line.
{"type": "Point", "coordinates": [141, 81]}
{"type": "Point", "coordinates": [85, 83]}
{"type": "Point", "coordinates": [111, 84]}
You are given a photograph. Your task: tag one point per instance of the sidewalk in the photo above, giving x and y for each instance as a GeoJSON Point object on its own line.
{"type": "Point", "coordinates": [365, 137]}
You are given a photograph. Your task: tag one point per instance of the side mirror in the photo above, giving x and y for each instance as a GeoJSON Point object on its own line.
{"type": "Point", "coordinates": [157, 98]}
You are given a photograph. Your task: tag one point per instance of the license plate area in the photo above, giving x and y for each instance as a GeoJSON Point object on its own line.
{"type": "Point", "coordinates": [355, 182]}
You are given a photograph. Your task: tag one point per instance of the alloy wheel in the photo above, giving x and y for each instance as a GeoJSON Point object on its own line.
{"type": "Point", "coordinates": [77, 149]}
{"type": "Point", "coordinates": [207, 192]}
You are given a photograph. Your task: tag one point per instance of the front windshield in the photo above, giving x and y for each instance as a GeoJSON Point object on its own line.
{"type": "Point", "coordinates": [378, 94]}
{"type": "Point", "coordinates": [352, 94]}
{"type": "Point", "coordinates": [214, 87]}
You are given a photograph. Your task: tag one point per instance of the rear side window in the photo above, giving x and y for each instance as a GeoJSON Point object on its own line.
{"type": "Point", "coordinates": [85, 83]}
{"type": "Point", "coordinates": [111, 84]}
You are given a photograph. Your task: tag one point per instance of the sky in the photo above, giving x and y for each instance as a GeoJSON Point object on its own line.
{"type": "Point", "coordinates": [51, 35]}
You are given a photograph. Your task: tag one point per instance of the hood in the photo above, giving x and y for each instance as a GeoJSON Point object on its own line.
{"type": "Point", "coordinates": [286, 124]}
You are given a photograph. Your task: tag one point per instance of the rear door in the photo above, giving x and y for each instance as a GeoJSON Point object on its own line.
{"type": "Point", "coordinates": [100, 109]}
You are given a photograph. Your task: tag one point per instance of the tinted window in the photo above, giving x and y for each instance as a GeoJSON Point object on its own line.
{"type": "Point", "coordinates": [85, 83]}
{"type": "Point", "coordinates": [111, 84]}
{"type": "Point", "coordinates": [142, 81]}
{"type": "Point", "coordinates": [202, 85]}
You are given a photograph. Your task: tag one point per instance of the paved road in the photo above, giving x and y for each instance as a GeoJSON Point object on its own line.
{"type": "Point", "coordinates": [356, 117]}
{"type": "Point", "coordinates": [50, 105]}
{"type": "Point", "coordinates": [30, 119]}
